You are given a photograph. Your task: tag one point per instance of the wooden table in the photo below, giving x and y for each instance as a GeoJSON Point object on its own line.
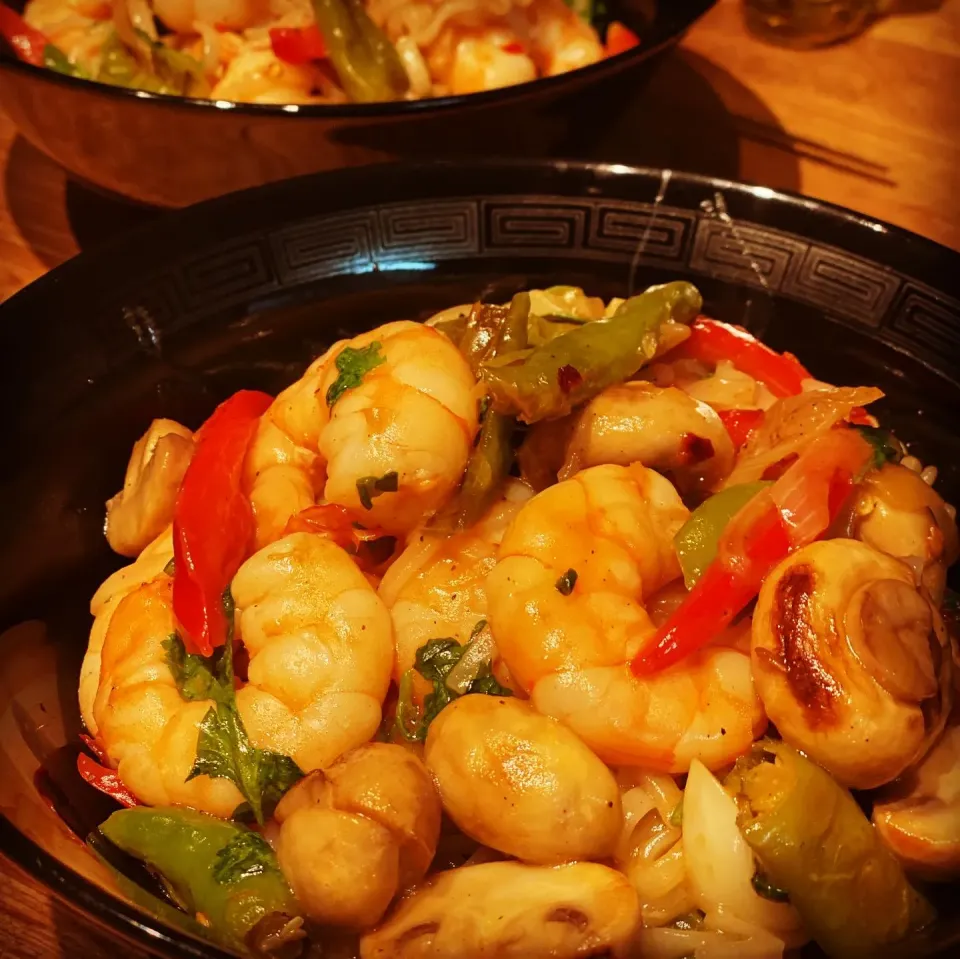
{"type": "Point", "coordinates": [873, 124]}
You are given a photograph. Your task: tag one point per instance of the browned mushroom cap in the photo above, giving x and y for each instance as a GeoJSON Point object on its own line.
{"type": "Point", "coordinates": [510, 910]}
{"type": "Point", "coordinates": [851, 661]}
{"type": "Point", "coordinates": [141, 511]}
{"type": "Point", "coordinates": [919, 816]}
{"type": "Point", "coordinates": [898, 513]}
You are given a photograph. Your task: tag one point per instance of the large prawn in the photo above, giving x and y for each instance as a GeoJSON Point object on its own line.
{"type": "Point", "coordinates": [320, 648]}
{"type": "Point", "coordinates": [382, 424]}
{"type": "Point", "coordinates": [565, 603]}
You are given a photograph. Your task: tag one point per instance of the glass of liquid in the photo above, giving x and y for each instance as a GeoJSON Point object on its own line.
{"type": "Point", "coordinates": [805, 24]}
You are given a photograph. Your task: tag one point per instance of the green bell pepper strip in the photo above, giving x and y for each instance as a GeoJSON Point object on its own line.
{"type": "Point", "coordinates": [574, 367]}
{"type": "Point", "coordinates": [366, 62]}
{"type": "Point", "coordinates": [697, 540]}
{"type": "Point", "coordinates": [813, 842]}
{"type": "Point", "coordinates": [218, 870]}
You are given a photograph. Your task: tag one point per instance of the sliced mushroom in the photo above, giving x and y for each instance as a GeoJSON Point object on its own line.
{"type": "Point", "coordinates": [851, 661]}
{"type": "Point", "coordinates": [141, 511]}
{"type": "Point", "coordinates": [509, 910]}
{"type": "Point", "coordinates": [900, 514]}
{"type": "Point", "coordinates": [665, 429]}
{"type": "Point", "coordinates": [520, 782]}
{"type": "Point", "coordinates": [356, 834]}
{"type": "Point", "coordinates": [918, 817]}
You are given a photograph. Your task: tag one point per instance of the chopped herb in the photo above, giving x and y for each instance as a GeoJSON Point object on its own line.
{"type": "Point", "coordinates": [224, 750]}
{"type": "Point", "coordinates": [353, 365]}
{"type": "Point", "coordinates": [763, 887]}
{"type": "Point", "coordinates": [434, 661]}
{"type": "Point", "coordinates": [247, 854]}
{"type": "Point", "coordinates": [370, 487]}
{"type": "Point", "coordinates": [171, 567]}
{"type": "Point", "coordinates": [55, 59]}
{"type": "Point", "coordinates": [477, 630]}
{"type": "Point", "coordinates": [676, 814]}
{"type": "Point", "coordinates": [566, 582]}
{"type": "Point", "coordinates": [886, 447]}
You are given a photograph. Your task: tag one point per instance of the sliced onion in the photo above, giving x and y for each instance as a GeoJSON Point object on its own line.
{"type": "Point", "coordinates": [212, 46]}
{"type": "Point", "coordinates": [720, 864]}
{"type": "Point", "coordinates": [479, 652]}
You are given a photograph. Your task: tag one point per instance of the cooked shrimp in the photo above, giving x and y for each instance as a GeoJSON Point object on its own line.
{"type": "Point", "coordinates": [148, 566]}
{"type": "Point", "coordinates": [436, 586]}
{"type": "Point", "coordinates": [258, 76]}
{"type": "Point", "coordinates": [569, 641]}
{"type": "Point", "coordinates": [408, 414]}
{"type": "Point", "coordinates": [319, 642]}
{"type": "Point", "coordinates": [141, 511]}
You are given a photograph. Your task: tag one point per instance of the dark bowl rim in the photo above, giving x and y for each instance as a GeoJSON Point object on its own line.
{"type": "Point", "coordinates": [383, 110]}
{"type": "Point", "coordinates": [74, 889]}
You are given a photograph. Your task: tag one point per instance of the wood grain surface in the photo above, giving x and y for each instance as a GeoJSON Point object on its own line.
{"type": "Point", "coordinates": [873, 124]}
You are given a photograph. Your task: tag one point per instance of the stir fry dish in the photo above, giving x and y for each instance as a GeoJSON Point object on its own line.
{"type": "Point", "coordinates": [313, 51]}
{"type": "Point", "coordinates": [548, 628]}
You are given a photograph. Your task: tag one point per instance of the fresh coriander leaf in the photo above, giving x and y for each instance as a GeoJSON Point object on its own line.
{"type": "Point", "coordinates": [370, 487]}
{"type": "Point", "coordinates": [763, 887]}
{"type": "Point", "coordinates": [487, 684]}
{"type": "Point", "coordinates": [247, 854]}
{"type": "Point", "coordinates": [886, 447]}
{"type": "Point", "coordinates": [435, 659]}
{"type": "Point", "coordinates": [353, 365]}
{"type": "Point", "coordinates": [170, 568]}
{"type": "Point", "coordinates": [676, 814]}
{"type": "Point", "coordinates": [193, 674]}
{"type": "Point", "coordinates": [224, 750]}
{"type": "Point", "coordinates": [477, 630]}
{"type": "Point", "coordinates": [566, 582]}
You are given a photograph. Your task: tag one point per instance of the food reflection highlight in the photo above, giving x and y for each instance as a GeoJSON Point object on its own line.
{"type": "Point", "coordinates": [553, 627]}
{"type": "Point", "coordinates": [313, 51]}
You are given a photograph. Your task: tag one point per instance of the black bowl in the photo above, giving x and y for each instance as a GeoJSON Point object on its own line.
{"type": "Point", "coordinates": [245, 290]}
{"type": "Point", "coordinates": [173, 151]}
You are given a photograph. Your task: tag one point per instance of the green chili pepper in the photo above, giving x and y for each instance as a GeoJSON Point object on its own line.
{"type": "Point", "coordinates": [886, 447]}
{"type": "Point", "coordinates": [366, 62]}
{"type": "Point", "coordinates": [218, 870]}
{"type": "Point", "coordinates": [814, 844]}
{"type": "Point", "coordinates": [488, 466]}
{"type": "Point", "coordinates": [169, 71]}
{"type": "Point", "coordinates": [697, 540]}
{"type": "Point", "coordinates": [560, 374]}
{"type": "Point", "coordinates": [55, 59]}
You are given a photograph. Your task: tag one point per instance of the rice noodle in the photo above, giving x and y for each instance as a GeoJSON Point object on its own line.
{"type": "Point", "coordinates": [212, 46]}
{"type": "Point", "coordinates": [422, 22]}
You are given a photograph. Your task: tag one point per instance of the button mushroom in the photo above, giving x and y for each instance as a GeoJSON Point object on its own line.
{"type": "Point", "coordinates": [522, 783]}
{"type": "Point", "coordinates": [141, 511]}
{"type": "Point", "coordinates": [851, 661]}
{"type": "Point", "coordinates": [511, 911]}
{"type": "Point", "coordinates": [897, 512]}
{"type": "Point", "coordinates": [919, 816]}
{"type": "Point", "coordinates": [355, 835]}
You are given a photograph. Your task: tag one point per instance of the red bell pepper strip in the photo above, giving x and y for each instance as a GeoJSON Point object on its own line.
{"type": "Point", "coordinates": [711, 341]}
{"type": "Point", "coordinates": [298, 45]}
{"type": "Point", "coordinates": [512, 46]}
{"type": "Point", "coordinates": [369, 547]}
{"type": "Point", "coordinates": [620, 38]}
{"type": "Point", "coordinates": [213, 521]}
{"type": "Point", "coordinates": [106, 780]}
{"type": "Point", "coordinates": [795, 511]}
{"type": "Point", "coordinates": [27, 42]}
{"type": "Point", "coordinates": [740, 424]}
{"type": "Point", "coordinates": [95, 746]}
